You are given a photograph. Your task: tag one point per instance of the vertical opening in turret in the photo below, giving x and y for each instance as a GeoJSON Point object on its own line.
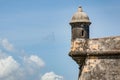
{"type": "Point", "coordinates": [82, 33]}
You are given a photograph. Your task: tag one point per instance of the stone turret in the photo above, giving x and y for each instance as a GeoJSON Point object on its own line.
{"type": "Point", "coordinates": [99, 58]}
{"type": "Point", "coordinates": [80, 25]}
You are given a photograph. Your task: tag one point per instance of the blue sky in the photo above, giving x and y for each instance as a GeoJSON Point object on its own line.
{"type": "Point", "coordinates": [39, 29]}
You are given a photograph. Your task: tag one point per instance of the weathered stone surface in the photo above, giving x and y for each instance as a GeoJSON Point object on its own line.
{"type": "Point", "coordinates": [98, 46]}
{"type": "Point", "coordinates": [101, 68]}
{"type": "Point", "coordinates": [80, 16]}
{"type": "Point", "coordinates": [98, 59]}
{"type": "Point", "coordinates": [104, 44]}
{"type": "Point", "coordinates": [79, 45]}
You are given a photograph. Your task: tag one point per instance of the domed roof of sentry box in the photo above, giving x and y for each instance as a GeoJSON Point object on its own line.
{"type": "Point", "coordinates": [80, 16]}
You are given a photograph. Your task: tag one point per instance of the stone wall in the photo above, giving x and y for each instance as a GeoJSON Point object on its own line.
{"type": "Point", "coordinates": [99, 59]}
{"type": "Point", "coordinates": [101, 68]}
{"type": "Point", "coordinates": [104, 44]}
{"type": "Point", "coordinates": [96, 46]}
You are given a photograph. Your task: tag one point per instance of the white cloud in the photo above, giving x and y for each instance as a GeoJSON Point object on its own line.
{"type": "Point", "coordinates": [35, 60]}
{"type": "Point", "coordinates": [7, 66]}
{"type": "Point", "coordinates": [51, 76]}
{"type": "Point", "coordinates": [7, 45]}
{"type": "Point", "coordinates": [11, 69]}
{"type": "Point", "coordinates": [33, 64]}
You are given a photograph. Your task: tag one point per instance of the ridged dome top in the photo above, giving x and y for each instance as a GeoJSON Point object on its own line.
{"type": "Point", "coordinates": [80, 16]}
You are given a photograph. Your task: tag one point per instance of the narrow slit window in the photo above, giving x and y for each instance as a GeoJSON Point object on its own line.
{"type": "Point", "coordinates": [82, 32]}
